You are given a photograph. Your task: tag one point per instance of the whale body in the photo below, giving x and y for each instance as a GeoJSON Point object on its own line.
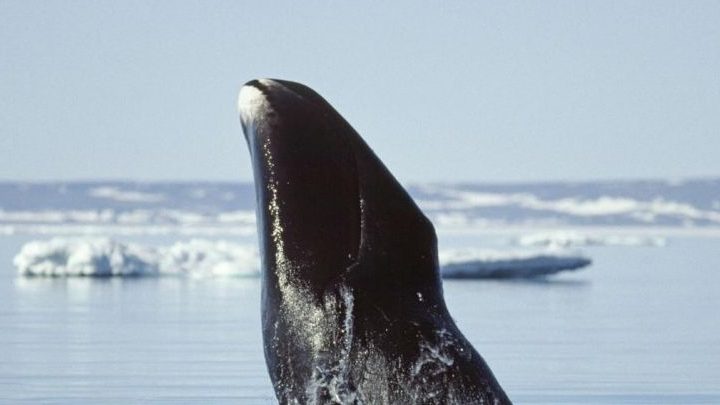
{"type": "Point", "coordinates": [352, 301]}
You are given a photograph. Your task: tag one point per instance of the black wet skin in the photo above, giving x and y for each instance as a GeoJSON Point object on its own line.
{"type": "Point", "coordinates": [352, 301]}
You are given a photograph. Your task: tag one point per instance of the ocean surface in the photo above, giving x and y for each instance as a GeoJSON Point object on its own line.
{"type": "Point", "coordinates": [638, 326]}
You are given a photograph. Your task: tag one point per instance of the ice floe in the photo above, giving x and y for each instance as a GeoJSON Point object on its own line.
{"type": "Point", "coordinates": [103, 257]}
{"type": "Point", "coordinates": [473, 263]}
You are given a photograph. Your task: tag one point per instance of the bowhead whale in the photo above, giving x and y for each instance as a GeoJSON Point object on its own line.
{"type": "Point", "coordinates": [352, 301]}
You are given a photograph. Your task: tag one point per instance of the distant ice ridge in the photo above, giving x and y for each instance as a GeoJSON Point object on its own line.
{"type": "Point", "coordinates": [118, 194]}
{"type": "Point", "coordinates": [133, 217]}
{"type": "Point", "coordinates": [573, 239]}
{"type": "Point", "coordinates": [134, 222]}
{"type": "Point", "coordinates": [102, 257]}
{"type": "Point", "coordinates": [475, 263]}
{"type": "Point", "coordinates": [457, 206]}
{"type": "Point", "coordinates": [604, 205]}
{"type": "Point", "coordinates": [216, 208]}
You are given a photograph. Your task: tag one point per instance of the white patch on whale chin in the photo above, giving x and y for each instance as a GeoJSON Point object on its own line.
{"type": "Point", "coordinates": [252, 105]}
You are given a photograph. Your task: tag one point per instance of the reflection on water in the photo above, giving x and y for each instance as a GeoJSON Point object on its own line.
{"type": "Point", "coordinates": [639, 326]}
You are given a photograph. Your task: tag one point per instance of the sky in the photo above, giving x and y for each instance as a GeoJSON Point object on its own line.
{"type": "Point", "coordinates": [442, 91]}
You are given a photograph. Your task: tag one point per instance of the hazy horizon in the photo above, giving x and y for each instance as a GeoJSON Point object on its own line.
{"type": "Point", "coordinates": [412, 182]}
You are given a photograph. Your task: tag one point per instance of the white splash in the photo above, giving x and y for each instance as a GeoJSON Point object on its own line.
{"type": "Point", "coordinates": [435, 358]}
{"type": "Point", "coordinates": [331, 381]}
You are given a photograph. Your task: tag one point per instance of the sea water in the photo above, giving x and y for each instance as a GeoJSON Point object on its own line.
{"type": "Point", "coordinates": [639, 326]}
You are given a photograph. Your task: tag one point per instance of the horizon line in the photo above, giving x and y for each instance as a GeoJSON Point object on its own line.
{"type": "Point", "coordinates": [410, 182]}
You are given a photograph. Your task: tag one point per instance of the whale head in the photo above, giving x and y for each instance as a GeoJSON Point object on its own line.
{"type": "Point", "coordinates": [352, 305]}
{"type": "Point", "coordinates": [324, 199]}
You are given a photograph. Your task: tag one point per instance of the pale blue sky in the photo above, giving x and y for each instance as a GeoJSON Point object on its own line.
{"type": "Point", "coordinates": [454, 91]}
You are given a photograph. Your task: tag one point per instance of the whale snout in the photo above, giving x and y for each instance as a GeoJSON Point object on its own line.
{"type": "Point", "coordinates": [254, 106]}
{"type": "Point", "coordinates": [303, 156]}
{"type": "Point", "coordinates": [279, 108]}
